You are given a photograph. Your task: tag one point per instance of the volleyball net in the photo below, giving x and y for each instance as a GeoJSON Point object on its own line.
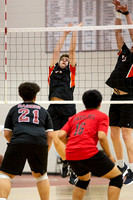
{"type": "Point", "coordinates": [29, 51]}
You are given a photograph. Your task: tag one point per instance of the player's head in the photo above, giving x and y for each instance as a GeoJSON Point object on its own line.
{"type": "Point", "coordinates": [64, 61]}
{"type": "Point", "coordinates": [92, 99]}
{"type": "Point", "coordinates": [28, 91]}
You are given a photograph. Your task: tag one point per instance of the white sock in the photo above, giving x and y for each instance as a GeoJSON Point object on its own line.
{"type": "Point", "coordinates": [121, 163]}
{"type": "Point", "coordinates": [2, 198]}
{"type": "Point", "coordinates": [131, 166]}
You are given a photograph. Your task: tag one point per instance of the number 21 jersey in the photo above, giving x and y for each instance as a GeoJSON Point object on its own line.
{"type": "Point", "coordinates": [29, 123]}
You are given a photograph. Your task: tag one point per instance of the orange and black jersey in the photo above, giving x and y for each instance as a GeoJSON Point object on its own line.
{"type": "Point", "coordinates": [29, 123]}
{"type": "Point", "coordinates": [61, 82]}
{"type": "Point", "coordinates": [122, 76]}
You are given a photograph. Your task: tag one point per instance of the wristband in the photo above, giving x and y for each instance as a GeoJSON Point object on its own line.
{"type": "Point", "coordinates": [124, 13]}
{"type": "Point", "coordinates": [118, 15]}
{"type": "Point", "coordinates": [119, 11]}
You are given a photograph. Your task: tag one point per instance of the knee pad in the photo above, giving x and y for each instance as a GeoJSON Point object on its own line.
{"type": "Point", "coordinates": [2, 175]}
{"type": "Point", "coordinates": [117, 181]}
{"type": "Point", "coordinates": [82, 184]}
{"type": "Point", "coordinates": [41, 178]}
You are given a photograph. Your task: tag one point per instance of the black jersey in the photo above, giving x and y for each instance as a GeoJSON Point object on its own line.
{"type": "Point", "coordinates": [29, 123]}
{"type": "Point", "coordinates": [61, 82]}
{"type": "Point", "coordinates": [122, 76]}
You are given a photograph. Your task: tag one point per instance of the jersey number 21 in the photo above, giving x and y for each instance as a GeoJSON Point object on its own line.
{"type": "Point", "coordinates": [24, 118]}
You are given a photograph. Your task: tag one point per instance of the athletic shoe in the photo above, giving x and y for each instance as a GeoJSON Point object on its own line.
{"type": "Point", "coordinates": [124, 170]}
{"type": "Point", "coordinates": [72, 178]}
{"type": "Point", "coordinates": [129, 178]}
{"type": "Point", "coordinates": [65, 169]}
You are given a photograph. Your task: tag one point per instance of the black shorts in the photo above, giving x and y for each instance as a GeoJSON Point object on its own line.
{"type": "Point", "coordinates": [16, 155]}
{"type": "Point", "coordinates": [121, 114]}
{"type": "Point", "coordinates": [98, 165]}
{"type": "Point", "coordinates": [60, 114]}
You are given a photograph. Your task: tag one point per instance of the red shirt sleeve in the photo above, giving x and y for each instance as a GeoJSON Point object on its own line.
{"type": "Point", "coordinates": [67, 128]}
{"type": "Point", "coordinates": [73, 73]}
{"type": "Point", "coordinates": [73, 69]}
{"type": "Point", "coordinates": [50, 71]}
{"type": "Point", "coordinates": [104, 124]}
{"type": "Point", "coordinates": [119, 53]}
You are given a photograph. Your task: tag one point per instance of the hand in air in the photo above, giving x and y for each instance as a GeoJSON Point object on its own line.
{"type": "Point", "coordinates": [117, 4]}
{"type": "Point", "coordinates": [69, 25]}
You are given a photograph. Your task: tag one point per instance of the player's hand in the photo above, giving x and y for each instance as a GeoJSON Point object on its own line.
{"type": "Point", "coordinates": [69, 25]}
{"type": "Point", "coordinates": [111, 157]}
{"type": "Point", "coordinates": [80, 24]}
{"type": "Point", "coordinates": [123, 8]}
{"type": "Point", "coordinates": [117, 4]}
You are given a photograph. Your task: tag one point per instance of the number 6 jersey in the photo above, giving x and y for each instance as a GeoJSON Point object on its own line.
{"type": "Point", "coordinates": [29, 123]}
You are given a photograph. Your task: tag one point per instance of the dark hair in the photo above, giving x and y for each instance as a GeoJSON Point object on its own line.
{"type": "Point", "coordinates": [92, 98]}
{"type": "Point", "coordinates": [28, 90]}
{"type": "Point", "coordinates": [63, 55]}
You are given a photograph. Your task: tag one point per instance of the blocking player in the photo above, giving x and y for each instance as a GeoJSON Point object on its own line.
{"type": "Point", "coordinates": [61, 87]}
{"type": "Point", "coordinates": [121, 80]}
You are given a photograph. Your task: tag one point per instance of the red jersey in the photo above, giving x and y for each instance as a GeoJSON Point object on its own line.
{"type": "Point", "coordinates": [82, 130]}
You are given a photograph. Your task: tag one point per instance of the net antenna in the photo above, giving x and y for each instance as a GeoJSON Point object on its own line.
{"type": "Point", "coordinates": [5, 51]}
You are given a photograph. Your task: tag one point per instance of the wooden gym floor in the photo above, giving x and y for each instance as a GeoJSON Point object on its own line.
{"type": "Point", "coordinates": [24, 187]}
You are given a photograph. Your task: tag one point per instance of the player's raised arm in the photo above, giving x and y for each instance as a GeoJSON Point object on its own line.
{"type": "Point", "coordinates": [124, 11]}
{"type": "Point", "coordinates": [58, 47]}
{"type": "Point", "coordinates": [118, 32]}
{"type": "Point", "coordinates": [72, 48]}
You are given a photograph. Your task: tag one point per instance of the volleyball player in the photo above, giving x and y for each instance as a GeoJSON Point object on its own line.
{"type": "Point", "coordinates": [82, 132]}
{"type": "Point", "coordinates": [121, 79]}
{"type": "Point", "coordinates": [27, 129]}
{"type": "Point", "coordinates": [61, 87]}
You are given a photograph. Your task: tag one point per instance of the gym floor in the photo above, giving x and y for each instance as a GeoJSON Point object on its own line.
{"type": "Point", "coordinates": [24, 187]}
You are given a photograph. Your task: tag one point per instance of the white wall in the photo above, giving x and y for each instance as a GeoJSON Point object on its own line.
{"type": "Point", "coordinates": [26, 13]}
